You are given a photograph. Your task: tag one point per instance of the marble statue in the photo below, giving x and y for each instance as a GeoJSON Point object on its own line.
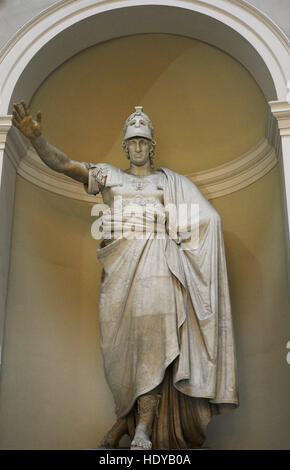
{"type": "Point", "coordinates": [164, 308]}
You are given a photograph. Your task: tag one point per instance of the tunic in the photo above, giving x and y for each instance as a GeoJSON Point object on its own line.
{"type": "Point", "coordinates": [164, 304]}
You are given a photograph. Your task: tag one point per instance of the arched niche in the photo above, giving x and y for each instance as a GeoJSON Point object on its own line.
{"type": "Point", "coordinates": [68, 27]}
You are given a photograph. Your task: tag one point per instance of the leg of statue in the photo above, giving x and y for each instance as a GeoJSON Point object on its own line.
{"type": "Point", "coordinates": [113, 436]}
{"type": "Point", "coordinates": [147, 408]}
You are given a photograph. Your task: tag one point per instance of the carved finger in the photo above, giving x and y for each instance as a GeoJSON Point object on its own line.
{"type": "Point", "coordinates": [15, 123]}
{"type": "Point", "coordinates": [15, 112]}
{"type": "Point", "coordinates": [26, 109]}
{"type": "Point", "coordinates": [17, 108]}
{"type": "Point", "coordinates": [38, 117]}
{"type": "Point", "coordinates": [15, 116]}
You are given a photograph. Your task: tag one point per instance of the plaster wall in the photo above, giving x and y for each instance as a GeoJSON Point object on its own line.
{"type": "Point", "coordinates": [53, 390]}
{"type": "Point", "coordinates": [255, 250]}
{"type": "Point", "coordinates": [205, 106]}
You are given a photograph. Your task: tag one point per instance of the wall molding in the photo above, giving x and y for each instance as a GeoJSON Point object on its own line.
{"type": "Point", "coordinates": [5, 125]}
{"type": "Point", "coordinates": [16, 147]}
{"type": "Point", "coordinates": [281, 111]}
{"type": "Point", "coordinates": [214, 182]}
{"type": "Point", "coordinates": [238, 173]}
{"type": "Point", "coordinates": [34, 170]}
{"type": "Point", "coordinates": [34, 52]}
{"type": "Point", "coordinates": [220, 181]}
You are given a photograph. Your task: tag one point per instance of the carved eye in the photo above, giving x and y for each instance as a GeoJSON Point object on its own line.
{"type": "Point", "coordinates": [133, 122]}
{"type": "Point", "coordinates": [143, 123]}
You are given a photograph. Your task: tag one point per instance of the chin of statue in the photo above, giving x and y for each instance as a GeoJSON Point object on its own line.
{"type": "Point", "coordinates": [142, 163]}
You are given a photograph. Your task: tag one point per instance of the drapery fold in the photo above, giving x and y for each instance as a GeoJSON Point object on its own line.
{"type": "Point", "coordinates": [206, 284]}
{"type": "Point", "coordinates": [165, 318]}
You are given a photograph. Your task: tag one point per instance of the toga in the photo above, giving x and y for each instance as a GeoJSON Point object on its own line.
{"type": "Point", "coordinates": [164, 307]}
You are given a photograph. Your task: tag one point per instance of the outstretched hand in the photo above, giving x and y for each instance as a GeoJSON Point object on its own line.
{"type": "Point", "coordinates": [22, 119]}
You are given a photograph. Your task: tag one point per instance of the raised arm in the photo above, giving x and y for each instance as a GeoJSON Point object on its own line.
{"type": "Point", "coordinates": [50, 155]}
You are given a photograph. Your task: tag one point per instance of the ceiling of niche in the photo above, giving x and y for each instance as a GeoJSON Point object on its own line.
{"type": "Point", "coordinates": [205, 106]}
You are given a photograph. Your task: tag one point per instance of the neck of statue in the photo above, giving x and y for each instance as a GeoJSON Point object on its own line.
{"type": "Point", "coordinates": [143, 170]}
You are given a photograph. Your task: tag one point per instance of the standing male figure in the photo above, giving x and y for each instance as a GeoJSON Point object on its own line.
{"type": "Point", "coordinates": [164, 308]}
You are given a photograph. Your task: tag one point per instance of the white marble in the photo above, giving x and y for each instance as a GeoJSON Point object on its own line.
{"type": "Point", "coordinates": [232, 25]}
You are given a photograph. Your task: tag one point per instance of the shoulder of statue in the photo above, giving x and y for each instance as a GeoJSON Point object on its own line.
{"type": "Point", "coordinates": [173, 174]}
{"type": "Point", "coordinates": [178, 180]}
{"type": "Point", "coordinates": [168, 171]}
{"type": "Point", "coordinates": [105, 174]}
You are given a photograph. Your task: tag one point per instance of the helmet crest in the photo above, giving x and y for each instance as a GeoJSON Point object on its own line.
{"type": "Point", "coordinates": [138, 124]}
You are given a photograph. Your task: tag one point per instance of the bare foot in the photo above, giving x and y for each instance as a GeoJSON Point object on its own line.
{"type": "Point", "coordinates": [141, 439]}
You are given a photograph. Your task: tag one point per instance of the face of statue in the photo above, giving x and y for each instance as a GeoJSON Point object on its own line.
{"type": "Point", "coordinates": [139, 149]}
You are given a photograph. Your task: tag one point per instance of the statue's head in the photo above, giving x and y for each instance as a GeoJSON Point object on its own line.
{"type": "Point", "coordinates": [138, 140]}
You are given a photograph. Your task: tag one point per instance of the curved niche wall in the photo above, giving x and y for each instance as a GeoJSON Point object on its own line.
{"type": "Point", "coordinates": [208, 112]}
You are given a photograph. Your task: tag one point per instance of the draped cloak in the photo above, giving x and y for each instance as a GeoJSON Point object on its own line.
{"type": "Point", "coordinates": [165, 316]}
